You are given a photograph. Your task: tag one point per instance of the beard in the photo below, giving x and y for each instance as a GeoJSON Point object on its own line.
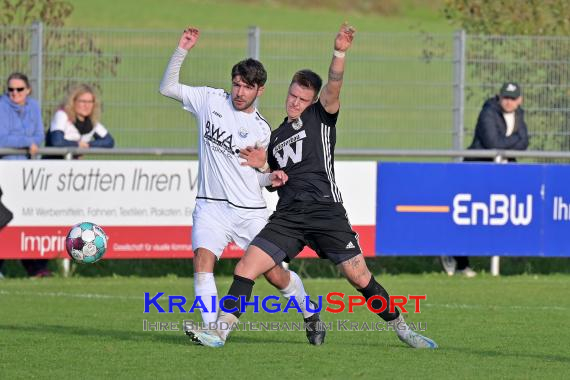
{"type": "Point", "coordinates": [243, 105]}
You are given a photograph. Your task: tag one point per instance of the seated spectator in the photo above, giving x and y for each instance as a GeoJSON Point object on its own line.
{"type": "Point", "coordinates": [76, 122]}
{"type": "Point", "coordinates": [21, 126]}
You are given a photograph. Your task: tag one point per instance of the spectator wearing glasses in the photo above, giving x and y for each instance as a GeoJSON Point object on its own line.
{"type": "Point", "coordinates": [76, 122]}
{"type": "Point", "coordinates": [21, 127]}
{"type": "Point", "coordinates": [20, 118]}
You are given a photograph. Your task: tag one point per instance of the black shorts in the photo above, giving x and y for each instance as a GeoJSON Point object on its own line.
{"type": "Point", "coordinates": [323, 227]}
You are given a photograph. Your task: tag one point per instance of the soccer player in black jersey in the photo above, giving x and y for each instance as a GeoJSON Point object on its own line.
{"type": "Point", "coordinates": [310, 210]}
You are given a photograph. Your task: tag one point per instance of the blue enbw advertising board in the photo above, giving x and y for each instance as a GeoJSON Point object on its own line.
{"type": "Point", "coordinates": [478, 209]}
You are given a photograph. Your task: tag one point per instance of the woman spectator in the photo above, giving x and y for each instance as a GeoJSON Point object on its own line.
{"type": "Point", "coordinates": [76, 123]}
{"type": "Point", "coordinates": [20, 118]}
{"type": "Point", "coordinates": [21, 127]}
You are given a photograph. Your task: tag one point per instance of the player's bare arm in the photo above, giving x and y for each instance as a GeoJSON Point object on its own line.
{"type": "Point", "coordinates": [330, 95]}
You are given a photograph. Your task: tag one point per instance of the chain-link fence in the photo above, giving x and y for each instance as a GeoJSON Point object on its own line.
{"type": "Point", "coordinates": [401, 90]}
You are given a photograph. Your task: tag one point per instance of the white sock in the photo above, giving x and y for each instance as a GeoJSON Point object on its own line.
{"type": "Point", "coordinates": [296, 288]}
{"type": "Point", "coordinates": [205, 287]}
{"type": "Point", "coordinates": [225, 323]}
{"type": "Point", "coordinates": [401, 327]}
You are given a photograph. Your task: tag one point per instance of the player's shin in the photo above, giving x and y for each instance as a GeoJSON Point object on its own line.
{"type": "Point", "coordinates": [375, 289]}
{"type": "Point", "coordinates": [394, 318]}
{"type": "Point", "coordinates": [205, 288]}
{"type": "Point", "coordinates": [241, 287]}
{"type": "Point", "coordinates": [297, 290]}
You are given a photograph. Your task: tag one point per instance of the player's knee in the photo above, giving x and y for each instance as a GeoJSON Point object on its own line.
{"type": "Point", "coordinates": [278, 277]}
{"type": "Point", "coordinates": [356, 271]}
{"type": "Point", "coordinates": [241, 269]}
{"type": "Point", "coordinates": [360, 281]}
{"type": "Point", "coordinates": [204, 260]}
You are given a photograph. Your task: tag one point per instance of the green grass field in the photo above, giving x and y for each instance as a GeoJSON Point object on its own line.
{"type": "Point", "coordinates": [508, 327]}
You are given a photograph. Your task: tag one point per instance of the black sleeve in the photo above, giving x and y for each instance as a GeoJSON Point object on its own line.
{"type": "Point", "coordinates": [328, 118]}
{"type": "Point", "coordinates": [489, 133]}
{"type": "Point", "coordinates": [270, 157]}
{"type": "Point", "coordinates": [57, 139]}
{"type": "Point", "coordinates": [102, 142]}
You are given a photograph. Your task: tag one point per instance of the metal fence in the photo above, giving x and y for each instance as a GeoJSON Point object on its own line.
{"type": "Point", "coordinates": [401, 91]}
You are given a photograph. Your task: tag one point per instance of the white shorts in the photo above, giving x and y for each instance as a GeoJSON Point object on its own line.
{"type": "Point", "coordinates": [215, 224]}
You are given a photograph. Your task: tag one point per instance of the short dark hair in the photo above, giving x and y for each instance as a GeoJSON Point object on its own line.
{"type": "Point", "coordinates": [251, 72]}
{"type": "Point", "coordinates": [19, 76]}
{"type": "Point", "coordinates": [309, 79]}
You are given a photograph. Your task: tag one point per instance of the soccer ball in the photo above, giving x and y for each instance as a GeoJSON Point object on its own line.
{"type": "Point", "coordinates": [86, 243]}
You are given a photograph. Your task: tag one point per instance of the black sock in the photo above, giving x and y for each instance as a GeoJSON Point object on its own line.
{"type": "Point", "coordinates": [462, 262]}
{"type": "Point", "coordinates": [375, 289]}
{"type": "Point", "coordinates": [240, 287]}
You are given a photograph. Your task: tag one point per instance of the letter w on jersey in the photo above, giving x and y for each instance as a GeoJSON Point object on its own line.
{"type": "Point", "coordinates": [287, 147]}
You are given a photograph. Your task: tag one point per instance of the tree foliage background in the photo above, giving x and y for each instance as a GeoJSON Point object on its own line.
{"type": "Point", "coordinates": [522, 41]}
{"type": "Point", "coordinates": [58, 44]}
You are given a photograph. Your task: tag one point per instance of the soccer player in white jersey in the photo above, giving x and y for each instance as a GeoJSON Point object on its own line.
{"type": "Point", "coordinates": [310, 210]}
{"type": "Point", "coordinates": [229, 205]}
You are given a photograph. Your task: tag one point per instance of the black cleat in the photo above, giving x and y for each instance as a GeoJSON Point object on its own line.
{"type": "Point", "coordinates": [315, 328]}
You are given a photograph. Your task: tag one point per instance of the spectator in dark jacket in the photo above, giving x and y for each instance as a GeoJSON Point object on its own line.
{"type": "Point", "coordinates": [500, 125]}
{"type": "Point", "coordinates": [501, 122]}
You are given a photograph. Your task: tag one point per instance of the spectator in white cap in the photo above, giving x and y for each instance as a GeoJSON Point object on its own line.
{"type": "Point", "coordinates": [501, 122]}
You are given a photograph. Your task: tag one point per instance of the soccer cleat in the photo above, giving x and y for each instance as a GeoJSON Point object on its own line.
{"type": "Point", "coordinates": [467, 272]}
{"type": "Point", "coordinates": [448, 263]}
{"type": "Point", "coordinates": [415, 340]}
{"type": "Point", "coordinates": [315, 328]}
{"type": "Point", "coordinates": [202, 337]}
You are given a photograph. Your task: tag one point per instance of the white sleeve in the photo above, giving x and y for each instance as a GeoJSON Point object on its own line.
{"type": "Point", "coordinates": [266, 136]}
{"type": "Point", "coordinates": [264, 179]}
{"type": "Point", "coordinates": [59, 121]}
{"type": "Point", "coordinates": [193, 98]}
{"type": "Point", "coordinates": [170, 85]}
{"type": "Point", "coordinates": [100, 130]}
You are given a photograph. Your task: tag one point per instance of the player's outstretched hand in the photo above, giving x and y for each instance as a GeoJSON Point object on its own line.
{"type": "Point", "coordinates": [343, 40]}
{"type": "Point", "coordinates": [278, 178]}
{"type": "Point", "coordinates": [253, 156]}
{"type": "Point", "coordinates": [189, 38]}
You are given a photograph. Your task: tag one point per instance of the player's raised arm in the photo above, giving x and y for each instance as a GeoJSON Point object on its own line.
{"type": "Point", "coordinates": [331, 91]}
{"type": "Point", "coordinates": [170, 85]}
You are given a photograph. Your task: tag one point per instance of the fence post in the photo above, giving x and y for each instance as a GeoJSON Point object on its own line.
{"type": "Point", "coordinates": [253, 35]}
{"type": "Point", "coordinates": [36, 60]}
{"type": "Point", "coordinates": [253, 48]}
{"type": "Point", "coordinates": [459, 41]}
{"type": "Point", "coordinates": [496, 260]}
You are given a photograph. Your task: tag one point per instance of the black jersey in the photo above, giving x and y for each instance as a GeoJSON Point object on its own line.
{"type": "Point", "coordinates": [306, 154]}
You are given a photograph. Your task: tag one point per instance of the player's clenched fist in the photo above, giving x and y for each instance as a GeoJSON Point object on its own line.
{"type": "Point", "coordinates": [344, 37]}
{"type": "Point", "coordinates": [278, 178]}
{"type": "Point", "coordinates": [189, 38]}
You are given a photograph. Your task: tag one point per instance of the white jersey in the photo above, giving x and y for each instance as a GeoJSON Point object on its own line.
{"type": "Point", "coordinates": [223, 131]}
{"type": "Point", "coordinates": [61, 122]}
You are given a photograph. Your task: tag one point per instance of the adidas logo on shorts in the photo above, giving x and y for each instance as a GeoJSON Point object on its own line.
{"type": "Point", "coordinates": [349, 245]}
